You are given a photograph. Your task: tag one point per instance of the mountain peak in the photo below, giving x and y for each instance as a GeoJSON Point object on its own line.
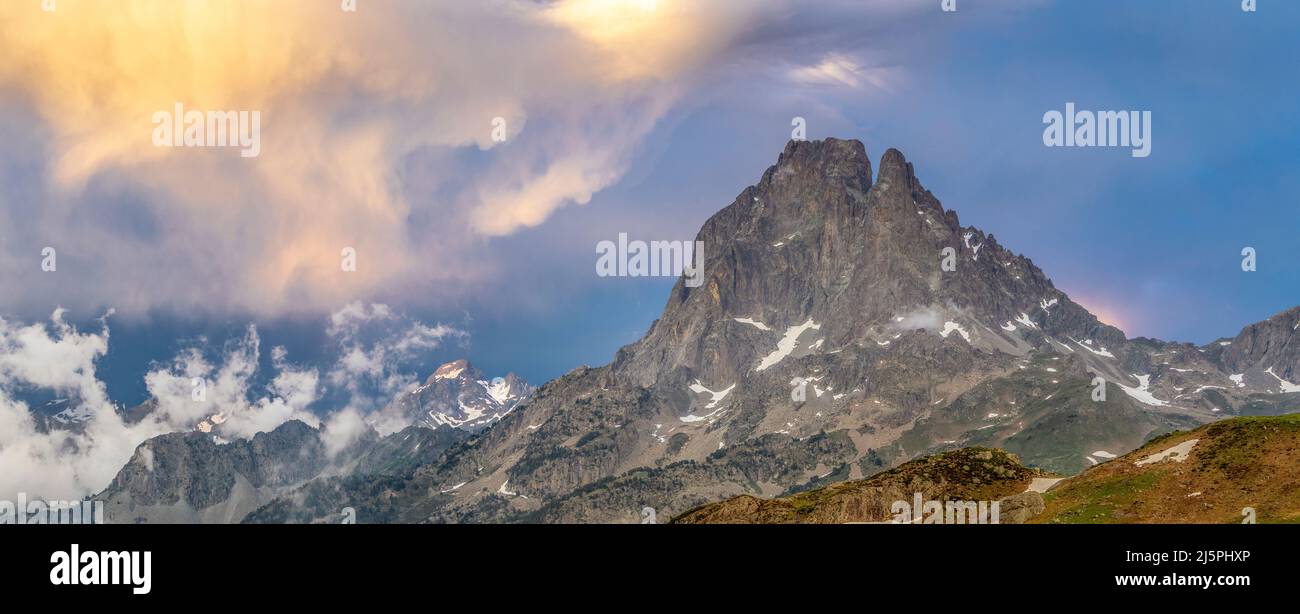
{"type": "Point", "coordinates": [895, 169]}
{"type": "Point", "coordinates": [830, 158]}
{"type": "Point", "coordinates": [458, 395]}
{"type": "Point", "coordinates": [451, 370]}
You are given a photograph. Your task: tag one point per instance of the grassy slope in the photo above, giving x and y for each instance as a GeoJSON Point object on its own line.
{"type": "Point", "coordinates": [1237, 463]}
{"type": "Point", "coordinates": [971, 474]}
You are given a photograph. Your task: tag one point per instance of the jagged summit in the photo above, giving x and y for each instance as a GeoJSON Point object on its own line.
{"type": "Point", "coordinates": [457, 394]}
{"type": "Point", "coordinates": [817, 241]}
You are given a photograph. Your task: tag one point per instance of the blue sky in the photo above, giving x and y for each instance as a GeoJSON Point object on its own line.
{"type": "Point", "coordinates": [1152, 245]}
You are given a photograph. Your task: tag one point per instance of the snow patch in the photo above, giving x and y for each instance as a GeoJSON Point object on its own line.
{"type": "Point", "coordinates": [787, 344]}
{"type": "Point", "coordinates": [753, 322]}
{"type": "Point", "coordinates": [1177, 453]}
{"type": "Point", "coordinates": [1087, 345]}
{"type": "Point", "coordinates": [948, 327]}
{"type": "Point", "coordinates": [716, 397]}
{"type": "Point", "coordinates": [453, 488]}
{"type": "Point", "coordinates": [1024, 319]}
{"type": "Point", "coordinates": [1042, 484]}
{"type": "Point", "coordinates": [1285, 385]}
{"type": "Point", "coordinates": [1141, 393]}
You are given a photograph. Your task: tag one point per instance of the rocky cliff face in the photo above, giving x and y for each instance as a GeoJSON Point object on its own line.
{"type": "Point", "coordinates": [194, 477]}
{"type": "Point", "coordinates": [847, 324]}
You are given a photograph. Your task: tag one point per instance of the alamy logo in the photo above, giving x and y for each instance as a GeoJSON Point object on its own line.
{"type": "Point", "coordinates": [40, 511]}
{"type": "Point", "coordinates": [920, 511]}
{"type": "Point", "coordinates": [212, 129]}
{"type": "Point", "coordinates": [73, 567]}
{"type": "Point", "coordinates": [1099, 129]}
{"type": "Point", "coordinates": [653, 259]}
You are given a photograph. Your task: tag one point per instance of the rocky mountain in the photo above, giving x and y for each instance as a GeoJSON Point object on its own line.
{"type": "Point", "coordinates": [196, 478]}
{"type": "Point", "coordinates": [458, 395]}
{"type": "Point", "coordinates": [847, 324]}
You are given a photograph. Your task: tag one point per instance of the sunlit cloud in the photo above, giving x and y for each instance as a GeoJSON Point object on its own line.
{"type": "Point", "coordinates": [842, 70]}
{"type": "Point", "coordinates": [356, 111]}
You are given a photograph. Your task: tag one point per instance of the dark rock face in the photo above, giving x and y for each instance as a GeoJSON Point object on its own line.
{"type": "Point", "coordinates": [191, 471]}
{"type": "Point", "coordinates": [190, 477]}
{"type": "Point", "coordinates": [1271, 344]}
{"type": "Point", "coordinates": [828, 342]}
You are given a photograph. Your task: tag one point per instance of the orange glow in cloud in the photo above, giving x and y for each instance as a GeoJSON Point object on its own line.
{"type": "Point", "coordinates": [344, 100]}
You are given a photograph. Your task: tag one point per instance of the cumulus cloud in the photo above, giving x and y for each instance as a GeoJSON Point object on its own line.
{"type": "Point", "coordinates": [219, 391]}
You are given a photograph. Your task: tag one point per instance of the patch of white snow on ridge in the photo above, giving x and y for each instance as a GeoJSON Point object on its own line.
{"type": "Point", "coordinates": [1177, 453]}
{"type": "Point", "coordinates": [1046, 304]}
{"type": "Point", "coordinates": [715, 397]}
{"type": "Point", "coordinates": [1042, 484]}
{"type": "Point", "coordinates": [692, 418]}
{"type": "Point", "coordinates": [1239, 379]}
{"type": "Point", "coordinates": [449, 374]}
{"type": "Point", "coordinates": [1024, 319]}
{"type": "Point", "coordinates": [1103, 454]}
{"type": "Point", "coordinates": [453, 488]}
{"type": "Point", "coordinates": [752, 322]}
{"type": "Point", "coordinates": [787, 344]}
{"type": "Point", "coordinates": [1141, 393]}
{"type": "Point", "coordinates": [948, 327]}
{"type": "Point", "coordinates": [1008, 326]}
{"type": "Point", "coordinates": [1088, 346]}
{"type": "Point", "coordinates": [498, 389]}
{"type": "Point", "coordinates": [1285, 385]}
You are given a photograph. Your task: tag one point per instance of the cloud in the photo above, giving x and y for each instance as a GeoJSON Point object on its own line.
{"type": "Point", "coordinates": [215, 390]}
{"type": "Point", "coordinates": [928, 318]}
{"type": "Point", "coordinates": [346, 100]}
{"type": "Point", "coordinates": [376, 129]}
{"type": "Point", "coordinates": [842, 70]}
{"type": "Point", "coordinates": [375, 348]}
